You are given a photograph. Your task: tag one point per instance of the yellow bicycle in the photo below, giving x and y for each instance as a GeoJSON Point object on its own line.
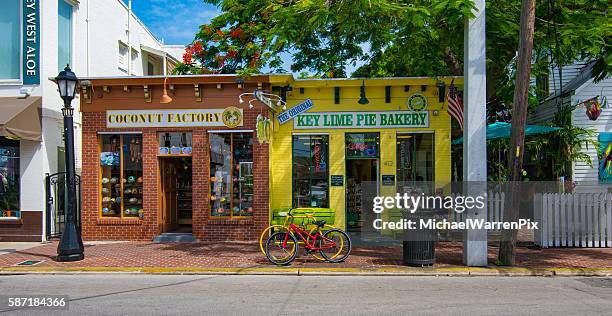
{"type": "Point", "coordinates": [307, 219]}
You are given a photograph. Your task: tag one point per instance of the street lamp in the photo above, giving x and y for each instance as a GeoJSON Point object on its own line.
{"type": "Point", "coordinates": [70, 247]}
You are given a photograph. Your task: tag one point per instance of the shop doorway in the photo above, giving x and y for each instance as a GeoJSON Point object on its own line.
{"type": "Point", "coordinates": [176, 205]}
{"type": "Point", "coordinates": [362, 168]}
{"type": "Point", "coordinates": [361, 188]}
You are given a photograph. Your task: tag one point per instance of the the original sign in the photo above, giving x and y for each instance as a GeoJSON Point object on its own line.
{"type": "Point", "coordinates": [31, 42]}
{"type": "Point", "coordinates": [337, 180]}
{"type": "Point", "coordinates": [230, 117]}
{"type": "Point", "coordinates": [295, 111]}
{"type": "Point", "coordinates": [388, 179]}
{"type": "Point", "coordinates": [388, 119]}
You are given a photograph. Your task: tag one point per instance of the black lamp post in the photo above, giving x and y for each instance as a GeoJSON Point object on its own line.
{"type": "Point", "coordinates": [70, 247]}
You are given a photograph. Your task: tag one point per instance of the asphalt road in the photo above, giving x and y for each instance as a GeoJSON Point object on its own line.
{"type": "Point", "coordinates": [114, 294]}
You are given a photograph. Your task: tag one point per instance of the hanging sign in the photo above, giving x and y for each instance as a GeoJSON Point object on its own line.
{"type": "Point", "coordinates": [295, 111]}
{"type": "Point", "coordinates": [230, 117]}
{"type": "Point", "coordinates": [387, 119]}
{"type": "Point", "coordinates": [31, 42]}
{"type": "Point", "coordinates": [417, 102]}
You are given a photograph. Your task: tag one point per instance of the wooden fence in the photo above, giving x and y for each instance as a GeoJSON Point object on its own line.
{"type": "Point", "coordinates": [573, 220]}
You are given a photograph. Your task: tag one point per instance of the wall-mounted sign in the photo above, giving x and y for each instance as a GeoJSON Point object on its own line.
{"type": "Point", "coordinates": [230, 117]}
{"type": "Point", "coordinates": [417, 102]}
{"type": "Point", "coordinates": [294, 111]}
{"type": "Point", "coordinates": [362, 145]}
{"type": "Point", "coordinates": [337, 180]}
{"type": "Point", "coordinates": [388, 119]}
{"type": "Point", "coordinates": [388, 179]}
{"type": "Point", "coordinates": [31, 42]}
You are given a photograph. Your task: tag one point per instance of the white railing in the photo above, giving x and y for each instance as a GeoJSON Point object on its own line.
{"type": "Point", "coordinates": [573, 220]}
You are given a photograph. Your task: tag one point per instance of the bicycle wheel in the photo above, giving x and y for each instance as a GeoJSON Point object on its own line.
{"type": "Point", "coordinates": [280, 252]}
{"type": "Point", "coordinates": [316, 254]}
{"type": "Point", "coordinates": [336, 245]}
{"type": "Point", "coordinates": [267, 233]}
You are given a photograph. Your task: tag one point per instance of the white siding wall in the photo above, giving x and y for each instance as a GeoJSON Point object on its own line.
{"type": "Point", "coordinates": [585, 175]}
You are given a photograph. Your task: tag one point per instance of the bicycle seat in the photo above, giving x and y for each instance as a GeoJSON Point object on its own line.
{"type": "Point", "coordinates": [319, 223]}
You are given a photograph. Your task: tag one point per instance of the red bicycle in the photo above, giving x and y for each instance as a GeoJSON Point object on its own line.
{"type": "Point", "coordinates": [333, 245]}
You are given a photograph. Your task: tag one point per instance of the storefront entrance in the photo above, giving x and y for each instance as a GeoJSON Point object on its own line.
{"type": "Point", "coordinates": [176, 195]}
{"type": "Point", "coordinates": [361, 187]}
{"type": "Point", "coordinates": [362, 153]}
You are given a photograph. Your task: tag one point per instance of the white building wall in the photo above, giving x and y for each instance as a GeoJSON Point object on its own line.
{"type": "Point", "coordinates": [588, 176]}
{"type": "Point", "coordinates": [98, 27]}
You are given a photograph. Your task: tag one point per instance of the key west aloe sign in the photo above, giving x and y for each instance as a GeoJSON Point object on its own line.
{"type": "Point", "coordinates": [383, 119]}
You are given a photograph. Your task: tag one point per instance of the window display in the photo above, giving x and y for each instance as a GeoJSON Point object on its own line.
{"type": "Point", "coordinates": [9, 178]}
{"type": "Point", "coordinates": [415, 165]}
{"type": "Point", "coordinates": [121, 191]}
{"type": "Point", "coordinates": [174, 143]}
{"type": "Point", "coordinates": [310, 171]}
{"type": "Point", "coordinates": [231, 171]}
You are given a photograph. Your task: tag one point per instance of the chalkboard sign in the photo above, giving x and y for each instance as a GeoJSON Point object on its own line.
{"type": "Point", "coordinates": [388, 179]}
{"type": "Point", "coordinates": [337, 180]}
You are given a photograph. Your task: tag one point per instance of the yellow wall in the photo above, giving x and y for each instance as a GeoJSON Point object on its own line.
{"type": "Point", "coordinates": [321, 92]}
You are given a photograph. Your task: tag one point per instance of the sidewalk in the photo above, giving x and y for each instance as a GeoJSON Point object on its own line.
{"type": "Point", "coordinates": [246, 258]}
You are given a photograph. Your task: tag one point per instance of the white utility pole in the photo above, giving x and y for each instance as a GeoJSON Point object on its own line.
{"type": "Point", "coordinates": [475, 131]}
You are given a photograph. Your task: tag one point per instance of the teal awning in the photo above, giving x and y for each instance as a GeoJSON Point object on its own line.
{"type": "Point", "coordinates": [499, 130]}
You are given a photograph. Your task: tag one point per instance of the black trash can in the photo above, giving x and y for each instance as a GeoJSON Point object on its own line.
{"type": "Point", "coordinates": [419, 243]}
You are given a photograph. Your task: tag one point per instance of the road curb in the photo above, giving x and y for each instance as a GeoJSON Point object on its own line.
{"type": "Point", "coordinates": [389, 271]}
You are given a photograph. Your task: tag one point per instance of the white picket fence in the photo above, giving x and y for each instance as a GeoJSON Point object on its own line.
{"type": "Point", "coordinates": [495, 208]}
{"type": "Point", "coordinates": [573, 220]}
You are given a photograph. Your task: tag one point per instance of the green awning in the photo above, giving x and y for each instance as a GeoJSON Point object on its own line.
{"type": "Point", "coordinates": [499, 130]}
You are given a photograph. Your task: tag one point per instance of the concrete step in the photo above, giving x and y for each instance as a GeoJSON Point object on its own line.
{"type": "Point", "coordinates": [174, 237]}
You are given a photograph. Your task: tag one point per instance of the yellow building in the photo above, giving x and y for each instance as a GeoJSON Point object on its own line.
{"type": "Point", "coordinates": [357, 138]}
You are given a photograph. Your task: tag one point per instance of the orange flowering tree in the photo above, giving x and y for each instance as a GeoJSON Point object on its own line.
{"type": "Point", "coordinates": [231, 49]}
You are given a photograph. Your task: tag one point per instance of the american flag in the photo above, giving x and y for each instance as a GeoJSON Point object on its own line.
{"type": "Point", "coordinates": [455, 105]}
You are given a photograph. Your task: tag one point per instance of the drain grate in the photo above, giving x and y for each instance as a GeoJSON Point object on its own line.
{"type": "Point", "coordinates": [29, 263]}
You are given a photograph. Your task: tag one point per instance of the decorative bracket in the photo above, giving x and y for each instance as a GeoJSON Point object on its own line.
{"type": "Point", "coordinates": [219, 86]}
{"type": "Point", "coordinates": [171, 88]}
{"type": "Point", "coordinates": [147, 94]}
{"type": "Point", "coordinates": [106, 89]}
{"type": "Point", "coordinates": [197, 92]}
{"type": "Point", "coordinates": [85, 91]}
{"type": "Point", "coordinates": [127, 89]}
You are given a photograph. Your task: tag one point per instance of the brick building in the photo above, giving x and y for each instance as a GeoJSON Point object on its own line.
{"type": "Point", "coordinates": [193, 165]}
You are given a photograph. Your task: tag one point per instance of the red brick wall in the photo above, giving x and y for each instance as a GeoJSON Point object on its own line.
{"type": "Point", "coordinates": [204, 227]}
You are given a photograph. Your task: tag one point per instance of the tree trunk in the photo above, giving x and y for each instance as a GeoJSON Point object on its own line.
{"type": "Point", "coordinates": [519, 116]}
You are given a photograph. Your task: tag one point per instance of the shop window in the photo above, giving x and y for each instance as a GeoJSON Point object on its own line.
{"type": "Point", "coordinates": [121, 191]}
{"type": "Point", "coordinates": [64, 34]}
{"type": "Point", "coordinates": [415, 165]}
{"type": "Point", "coordinates": [174, 144]}
{"type": "Point", "coordinates": [231, 174]}
{"type": "Point", "coordinates": [310, 171]}
{"type": "Point", "coordinates": [362, 145]}
{"type": "Point", "coordinates": [9, 178]}
{"type": "Point", "coordinates": [10, 36]}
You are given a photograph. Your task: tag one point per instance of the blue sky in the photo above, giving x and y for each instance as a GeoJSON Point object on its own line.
{"type": "Point", "coordinates": [174, 21]}
{"type": "Point", "coordinates": [177, 21]}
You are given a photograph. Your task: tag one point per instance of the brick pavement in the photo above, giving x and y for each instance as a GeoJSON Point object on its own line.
{"type": "Point", "coordinates": [247, 255]}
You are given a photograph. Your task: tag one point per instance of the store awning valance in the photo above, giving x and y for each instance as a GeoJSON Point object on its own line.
{"type": "Point", "coordinates": [21, 118]}
{"type": "Point", "coordinates": [499, 130]}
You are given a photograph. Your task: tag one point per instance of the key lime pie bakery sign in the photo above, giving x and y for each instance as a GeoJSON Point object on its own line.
{"type": "Point", "coordinates": [230, 117]}
{"type": "Point", "coordinates": [383, 119]}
